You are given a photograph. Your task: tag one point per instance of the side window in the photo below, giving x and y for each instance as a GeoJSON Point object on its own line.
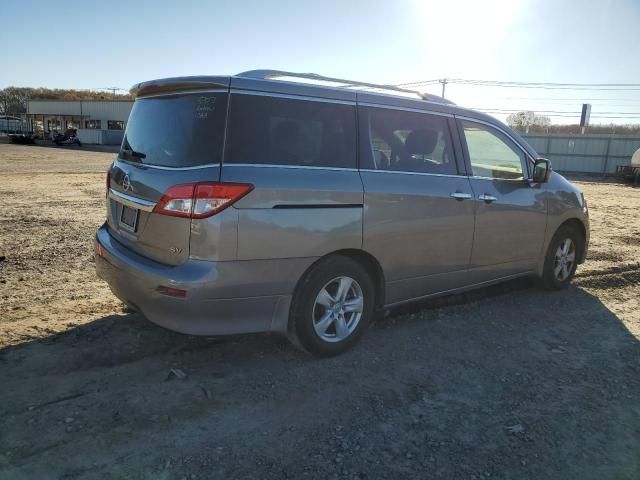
{"type": "Point", "coordinates": [492, 154]}
{"type": "Point", "coordinates": [404, 141]}
{"type": "Point", "coordinates": [281, 131]}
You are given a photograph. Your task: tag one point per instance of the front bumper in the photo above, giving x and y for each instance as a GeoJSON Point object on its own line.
{"type": "Point", "coordinates": [214, 303]}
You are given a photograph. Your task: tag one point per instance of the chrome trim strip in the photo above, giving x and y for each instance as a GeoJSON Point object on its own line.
{"type": "Point", "coordinates": [160, 167]}
{"type": "Point", "coordinates": [406, 109]}
{"type": "Point", "coordinates": [291, 97]}
{"type": "Point", "coordinates": [370, 170]}
{"type": "Point", "coordinates": [315, 206]}
{"type": "Point", "coordinates": [477, 177]}
{"type": "Point", "coordinates": [129, 201]}
{"type": "Point", "coordinates": [413, 173]}
{"type": "Point", "coordinates": [303, 167]}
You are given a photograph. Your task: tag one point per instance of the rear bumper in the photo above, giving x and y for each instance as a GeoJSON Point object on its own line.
{"type": "Point", "coordinates": [222, 297]}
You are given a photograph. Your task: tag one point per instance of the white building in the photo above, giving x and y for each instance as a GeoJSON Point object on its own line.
{"type": "Point", "coordinates": [97, 121]}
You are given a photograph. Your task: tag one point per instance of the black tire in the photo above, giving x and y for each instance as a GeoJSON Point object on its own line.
{"type": "Point", "coordinates": [550, 279]}
{"type": "Point", "coordinates": [304, 311]}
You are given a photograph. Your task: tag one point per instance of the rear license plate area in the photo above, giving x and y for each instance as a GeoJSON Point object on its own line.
{"type": "Point", "coordinates": [129, 218]}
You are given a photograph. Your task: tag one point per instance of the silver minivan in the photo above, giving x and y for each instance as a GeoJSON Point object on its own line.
{"type": "Point", "coordinates": [259, 202]}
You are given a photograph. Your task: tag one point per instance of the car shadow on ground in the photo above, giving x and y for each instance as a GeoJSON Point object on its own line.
{"type": "Point", "coordinates": [84, 148]}
{"type": "Point", "coordinates": [503, 382]}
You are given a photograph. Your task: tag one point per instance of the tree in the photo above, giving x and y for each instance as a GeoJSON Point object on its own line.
{"type": "Point", "coordinates": [13, 100]}
{"type": "Point", "coordinates": [525, 120]}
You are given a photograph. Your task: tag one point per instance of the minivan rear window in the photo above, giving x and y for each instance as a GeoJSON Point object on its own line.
{"type": "Point", "coordinates": [176, 131]}
{"type": "Point", "coordinates": [283, 131]}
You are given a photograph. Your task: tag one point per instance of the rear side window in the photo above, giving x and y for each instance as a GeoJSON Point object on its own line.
{"type": "Point", "coordinates": [397, 140]}
{"type": "Point", "coordinates": [281, 131]}
{"type": "Point", "coordinates": [176, 130]}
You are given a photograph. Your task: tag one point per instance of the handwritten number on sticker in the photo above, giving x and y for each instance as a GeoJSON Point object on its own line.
{"type": "Point", "coordinates": [204, 106]}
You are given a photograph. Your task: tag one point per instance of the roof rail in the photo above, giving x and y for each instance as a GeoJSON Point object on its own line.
{"type": "Point", "coordinates": [274, 74]}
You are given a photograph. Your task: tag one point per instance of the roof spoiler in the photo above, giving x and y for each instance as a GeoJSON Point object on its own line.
{"type": "Point", "coordinates": [179, 83]}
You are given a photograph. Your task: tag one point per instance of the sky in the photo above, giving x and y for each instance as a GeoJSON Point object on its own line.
{"type": "Point", "coordinates": [114, 43]}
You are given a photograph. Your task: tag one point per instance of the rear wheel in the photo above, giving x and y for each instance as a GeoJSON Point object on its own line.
{"type": "Point", "coordinates": [332, 306]}
{"type": "Point", "coordinates": [561, 260]}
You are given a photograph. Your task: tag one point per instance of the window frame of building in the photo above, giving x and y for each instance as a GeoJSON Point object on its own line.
{"type": "Point", "coordinates": [93, 124]}
{"type": "Point", "coordinates": [120, 124]}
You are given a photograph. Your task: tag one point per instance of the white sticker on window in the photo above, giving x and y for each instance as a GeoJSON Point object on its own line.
{"type": "Point", "coordinates": [204, 106]}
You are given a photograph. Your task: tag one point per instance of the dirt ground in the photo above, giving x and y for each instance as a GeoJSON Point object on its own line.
{"type": "Point", "coordinates": [508, 382]}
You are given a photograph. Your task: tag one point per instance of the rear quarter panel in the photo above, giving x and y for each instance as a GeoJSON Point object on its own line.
{"type": "Point", "coordinates": [297, 212]}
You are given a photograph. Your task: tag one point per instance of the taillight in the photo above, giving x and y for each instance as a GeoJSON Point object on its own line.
{"type": "Point", "coordinates": [108, 181]}
{"type": "Point", "coordinates": [200, 200]}
{"type": "Point", "coordinates": [177, 201]}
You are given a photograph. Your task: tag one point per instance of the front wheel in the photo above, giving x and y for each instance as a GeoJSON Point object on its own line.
{"type": "Point", "coordinates": [332, 306]}
{"type": "Point", "coordinates": [561, 259]}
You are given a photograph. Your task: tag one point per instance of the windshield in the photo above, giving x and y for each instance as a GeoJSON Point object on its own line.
{"type": "Point", "coordinates": [176, 131]}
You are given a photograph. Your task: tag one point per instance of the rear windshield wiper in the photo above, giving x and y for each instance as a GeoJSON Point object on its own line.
{"type": "Point", "coordinates": [133, 154]}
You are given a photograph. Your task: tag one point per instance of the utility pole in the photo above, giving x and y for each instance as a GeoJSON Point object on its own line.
{"type": "Point", "coordinates": [113, 90]}
{"type": "Point", "coordinates": [444, 84]}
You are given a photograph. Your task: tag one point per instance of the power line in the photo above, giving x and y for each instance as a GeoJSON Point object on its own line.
{"type": "Point", "coordinates": [549, 85]}
{"type": "Point", "coordinates": [419, 83]}
{"type": "Point", "coordinates": [606, 103]}
{"type": "Point", "coordinates": [579, 99]}
{"type": "Point", "coordinates": [516, 110]}
{"type": "Point", "coordinates": [559, 114]}
{"type": "Point", "coordinates": [540, 85]}
{"type": "Point", "coordinates": [601, 104]}
{"type": "Point", "coordinates": [563, 115]}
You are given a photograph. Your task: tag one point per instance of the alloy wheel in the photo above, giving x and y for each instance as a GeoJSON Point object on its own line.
{"type": "Point", "coordinates": [564, 259]}
{"type": "Point", "coordinates": [338, 309]}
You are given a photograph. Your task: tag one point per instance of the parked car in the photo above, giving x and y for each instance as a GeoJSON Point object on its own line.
{"type": "Point", "coordinates": [69, 137]}
{"type": "Point", "coordinates": [251, 204]}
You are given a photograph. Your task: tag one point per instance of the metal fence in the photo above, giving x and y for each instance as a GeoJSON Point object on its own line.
{"type": "Point", "coordinates": [585, 153]}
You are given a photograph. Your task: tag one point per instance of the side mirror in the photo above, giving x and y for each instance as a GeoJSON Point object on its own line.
{"type": "Point", "coordinates": [541, 170]}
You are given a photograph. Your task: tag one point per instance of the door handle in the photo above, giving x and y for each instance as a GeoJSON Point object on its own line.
{"type": "Point", "coordinates": [461, 195]}
{"type": "Point", "coordinates": [487, 198]}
